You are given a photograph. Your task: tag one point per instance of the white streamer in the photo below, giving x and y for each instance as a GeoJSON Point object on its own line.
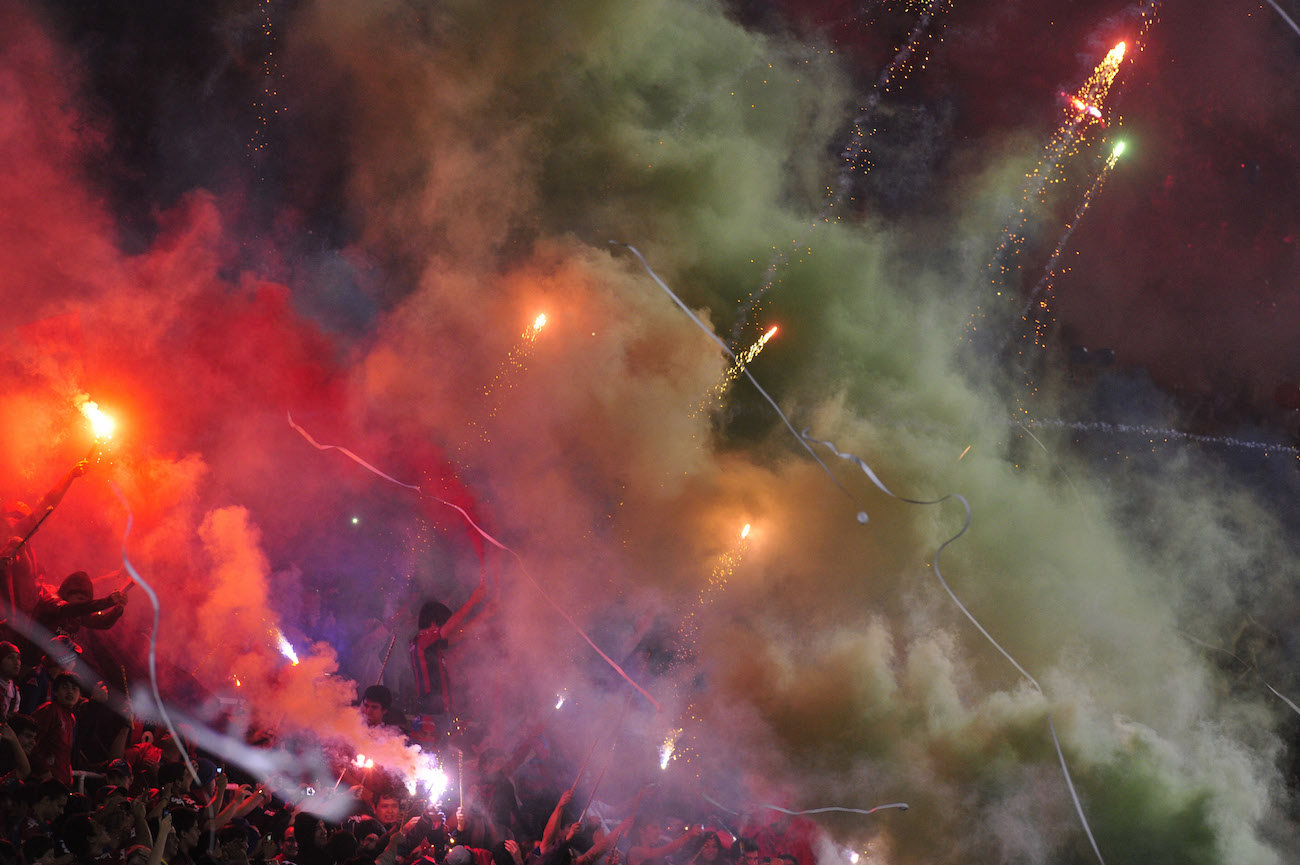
{"type": "Point", "coordinates": [153, 634]}
{"type": "Point", "coordinates": [804, 439]}
{"type": "Point", "coordinates": [1069, 781]}
{"type": "Point", "coordinates": [487, 537]}
{"type": "Point", "coordinates": [902, 806]}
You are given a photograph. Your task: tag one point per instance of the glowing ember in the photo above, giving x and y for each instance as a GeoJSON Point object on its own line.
{"type": "Point", "coordinates": [535, 328]}
{"type": "Point", "coordinates": [1080, 105]}
{"type": "Point", "coordinates": [286, 648]}
{"type": "Point", "coordinates": [668, 748]}
{"type": "Point", "coordinates": [100, 423]}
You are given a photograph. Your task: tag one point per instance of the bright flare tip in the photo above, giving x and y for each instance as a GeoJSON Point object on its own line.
{"type": "Point", "coordinates": [744, 533]}
{"type": "Point", "coordinates": [539, 322]}
{"type": "Point", "coordinates": [286, 648]}
{"type": "Point", "coordinates": [100, 423]}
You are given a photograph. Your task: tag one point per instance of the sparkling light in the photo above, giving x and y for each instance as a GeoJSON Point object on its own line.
{"type": "Point", "coordinates": [429, 775]}
{"type": "Point", "coordinates": [286, 648]}
{"type": "Point", "coordinates": [668, 748]}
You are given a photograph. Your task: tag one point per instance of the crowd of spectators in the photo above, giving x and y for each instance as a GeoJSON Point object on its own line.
{"type": "Point", "coordinates": [81, 781]}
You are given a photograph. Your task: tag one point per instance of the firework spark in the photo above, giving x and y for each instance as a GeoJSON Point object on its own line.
{"type": "Point", "coordinates": [742, 361]}
{"type": "Point", "coordinates": [668, 748]}
{"type": "Point", "coordinates": [286, 648]}
{"type": "Point", "coordinates": [1037, 309]}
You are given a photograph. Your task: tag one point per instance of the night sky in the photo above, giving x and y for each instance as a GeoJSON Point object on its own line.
{"type": "Point", "coordinates": [219, 215]}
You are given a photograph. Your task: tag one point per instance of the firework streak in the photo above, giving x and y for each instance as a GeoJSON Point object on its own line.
{"type": "Point", "coordinates": [850, 160]}
{"type": "Point", "coordinates": [1153, 433]}
{"type": "Point", "coordinates": [1043, 286]}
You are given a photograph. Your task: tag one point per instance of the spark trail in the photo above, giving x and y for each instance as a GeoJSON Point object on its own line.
{"type": "Point", "coordinates": [1037, 312]}
{"type": "Point", "coordinates": [502, 381]}
{"type": "Point", "coordinates": [1082, 110]}
{"type": "Point", "coordinates": [1164, 435]}
{"type": "Point", "coordinates": [850, 161]}
{"type": "Point", "coordinates": [742, 361]}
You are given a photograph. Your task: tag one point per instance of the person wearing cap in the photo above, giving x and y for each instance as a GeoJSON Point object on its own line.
{"type": "Point", "coordinates": [118, 774]}
{"type": "Point", "coordinates": [18, 567]}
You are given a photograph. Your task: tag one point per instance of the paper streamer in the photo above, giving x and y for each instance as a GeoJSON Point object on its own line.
{"type": "Point", "coordinates": [902, 806]}
{"type": "Point", "coordinates": [1069, 781]}
{"type": "Point", "coordinates": [153, 634]}
{"type": "Point", "coordinates": [1251, 667]}
{"type": "Point", "coordinates": [805, 440]}
{"type": "Point", "coordinates": [494, 542]}
{"type": "Point", "coordinates": [862, 515]}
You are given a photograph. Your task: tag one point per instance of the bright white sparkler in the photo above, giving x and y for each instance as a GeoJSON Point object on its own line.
{"type": "Point", "coordinates": [429, 775]}
{"type": "Point", "coordinates": [668, 748]}
{"type": "Point", "coordinates": [286, 648]}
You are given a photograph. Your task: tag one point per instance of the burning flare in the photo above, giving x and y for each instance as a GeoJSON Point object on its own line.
{"type": "Point", "coordinates": [536, 327]}
{"type": "Point", "coordinates": [286, 648]}
{"type": "Point", "coordinates": [101, 424]}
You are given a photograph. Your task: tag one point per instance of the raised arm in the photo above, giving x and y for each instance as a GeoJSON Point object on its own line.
{"type": "Point", "coordinates": [601, 847]}
{"type": "Point", "coordinates": [457, 619]}
{"type": "Point", "coordinates": [639, 854]}
{"type": "Point", "coordinates": [552, 831]}
{"type": "Point", "coordinates": [56, 494]}
{"type": "Point", "coordinates": [160, 843]}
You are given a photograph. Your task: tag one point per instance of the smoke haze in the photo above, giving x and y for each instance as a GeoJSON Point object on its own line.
{"type": "Point", "coordinates": [355, 217]}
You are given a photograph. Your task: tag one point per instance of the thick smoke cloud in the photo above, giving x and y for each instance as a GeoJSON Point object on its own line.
{"type": "Point", "coordinates": [439, 174]}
